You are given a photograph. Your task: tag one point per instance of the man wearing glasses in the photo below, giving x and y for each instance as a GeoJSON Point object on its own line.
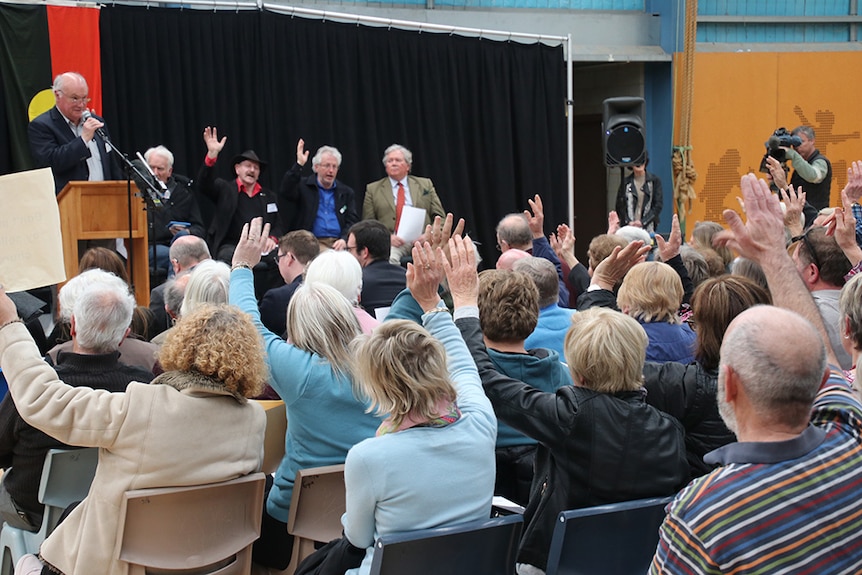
{"type": "Point", "coordinates": [63, 140]}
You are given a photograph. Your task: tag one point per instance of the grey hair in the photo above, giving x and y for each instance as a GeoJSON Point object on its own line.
{"type": "Point", "coordinates": [175, 292]}
{"type": "Point", "coordinates": [695, 264]}
{"type": "Point", "coordinates": [781, 383]}
{"type": "Point", "coordinates": [75, 287]}
{"type": "Point", "coordinates": [544, 275]}
{"type": "Point", "coordinates": [807, 130]}
{"type": "Point", "coordinates": [514, 229]}
{"type": "Point", "coordinates": [408, 155]}
{"type": "Point", "coordinates": [326, 150]}
{"type": "Point", "coordinates": [102, 313]}
{"type": "Point", "coordinates": [337, 269]}
{"type": "Point", "coordinates": [633, 234]}
{"type": "Point", "coordinates": [209, 283]}
{"type": "Point", "coordinates": [189, 251]}
{"type": "Point", "coordinates": [321, 321]}
{"type": "Point", "coordinates": [161, 151]}
{"type": "Point", "coordinates": [60, 80]}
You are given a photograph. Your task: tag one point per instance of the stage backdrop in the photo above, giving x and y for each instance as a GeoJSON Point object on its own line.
{"type": "Point", "coordinates": [485, 120]}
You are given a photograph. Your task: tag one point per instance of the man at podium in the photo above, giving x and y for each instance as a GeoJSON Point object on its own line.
{"type": "Point", "coordinates": [61, 139]}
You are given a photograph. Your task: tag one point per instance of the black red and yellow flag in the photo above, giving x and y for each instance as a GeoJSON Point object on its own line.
{"type": "Point", "coordinates": [36, 44]}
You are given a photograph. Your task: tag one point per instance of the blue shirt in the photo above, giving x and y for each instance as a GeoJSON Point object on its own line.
{"type": "Point", "coordinates": [326, 222]}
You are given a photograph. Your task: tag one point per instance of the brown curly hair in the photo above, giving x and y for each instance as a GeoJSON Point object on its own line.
{"type": "Point", "coordinates": [221, 342]}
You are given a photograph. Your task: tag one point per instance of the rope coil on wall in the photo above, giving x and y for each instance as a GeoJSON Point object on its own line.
{"type": "Point", "coordinates": [684, 174]}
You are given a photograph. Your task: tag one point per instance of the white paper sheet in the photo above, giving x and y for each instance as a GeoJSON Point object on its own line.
{"type": "Point", "coordinates": [412, 224]}
{"type": "Point", "coordinates": [31, 245]}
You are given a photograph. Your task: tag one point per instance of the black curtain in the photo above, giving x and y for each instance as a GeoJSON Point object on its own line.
{"type": "Point", "coordinates": [485, 120]}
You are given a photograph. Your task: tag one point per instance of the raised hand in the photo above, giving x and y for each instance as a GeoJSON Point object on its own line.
{"type": "Point", "coordinates": [670, 249]}
{"type": "Point", "coordinates": [301, 152]}
{"type": "Point", "coordinates": [424, 275]}
{"type": "Point", "coordinates": [613, 268]}
{"type": "Point", "coordinates": [795, 201]}
{"type": "Point", "coordinates": [461, 274]}
{"type": "Point", "coordinates": [762, 236]}
{"type": "Point", "coordinates": [536, 218]}
{"type": "Point", "coordinates": [253, 241]}
{"type": "Point", "coordinates": [214, 145]}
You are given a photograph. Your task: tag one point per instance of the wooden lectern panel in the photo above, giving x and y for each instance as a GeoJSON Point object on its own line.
{"type": "Point", "coordinates": [98, 211]}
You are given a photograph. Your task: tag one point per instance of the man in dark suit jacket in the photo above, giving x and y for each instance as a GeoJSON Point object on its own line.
{"type": "Point", "coordinates": [320, 203]}
{"type": "Point", "coordinates": [368, 241]}
{"type": "Point", "coordinates": [381, 197]}
{"type": "Point", "coordinates": [62, 140]}
{"type": "Point", "coordinates": [295, 251]}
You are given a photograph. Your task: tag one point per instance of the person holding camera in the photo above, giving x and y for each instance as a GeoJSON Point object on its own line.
{"type": "Point", "coordinates": [811, 169]}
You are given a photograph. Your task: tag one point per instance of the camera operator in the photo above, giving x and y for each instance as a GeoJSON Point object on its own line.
{"type": "Point", "coordinates": [811, 169]}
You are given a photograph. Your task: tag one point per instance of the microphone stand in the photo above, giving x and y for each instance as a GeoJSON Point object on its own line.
{"type": "Point", "coordinates": [149, 192]}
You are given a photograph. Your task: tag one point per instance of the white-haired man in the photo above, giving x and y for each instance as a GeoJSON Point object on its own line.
{"type": "Point", "coordinates": [179, 214]}
{"type": "Point", "coordinates": [321, 203]}
{"type": "Point", "coordinates": [71, 145]}
{"type": "Point", "coordinates": [385, 199]}
{"type": "Point", "coordinates": [99, 322]}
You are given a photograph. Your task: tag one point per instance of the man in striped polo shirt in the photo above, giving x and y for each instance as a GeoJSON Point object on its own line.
{"type": "Point", "coordinates": [788, 498]}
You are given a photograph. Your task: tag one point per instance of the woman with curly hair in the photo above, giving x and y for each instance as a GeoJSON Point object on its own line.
{"type": "Point", "coordinates": [192, 425]}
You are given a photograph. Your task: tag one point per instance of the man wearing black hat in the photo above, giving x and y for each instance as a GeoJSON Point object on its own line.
{"type": "Point", "coordinates": [236, 202]}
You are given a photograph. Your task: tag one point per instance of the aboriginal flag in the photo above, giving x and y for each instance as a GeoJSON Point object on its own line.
{"type": "Point", "coordinates": [36, 44]}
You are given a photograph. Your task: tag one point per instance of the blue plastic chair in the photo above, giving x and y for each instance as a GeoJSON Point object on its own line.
{"type": "Point", "coordinates": [619, 538]}
{"type": "Point", "coordinates": [484, 547]}
{"type": "Point", "coordinates": [66, 478]}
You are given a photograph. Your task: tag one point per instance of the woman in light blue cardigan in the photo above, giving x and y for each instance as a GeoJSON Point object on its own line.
{"type": "Point", "coordinates": [312, 374]}
{"type": "Point", "coordinates": [432, 461]}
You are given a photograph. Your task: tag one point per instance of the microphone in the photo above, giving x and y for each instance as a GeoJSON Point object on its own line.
{"type": "Point", "coordinates": [86, 116]}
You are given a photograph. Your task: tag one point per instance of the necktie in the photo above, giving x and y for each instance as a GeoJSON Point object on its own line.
{"type": "Point", "coordinates": [399, 206]}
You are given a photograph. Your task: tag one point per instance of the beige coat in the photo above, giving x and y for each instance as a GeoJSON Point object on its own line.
{"type": "Point", "coordinates": [180, 433]}
{"type": "Point", "coordinates": [379, 203]}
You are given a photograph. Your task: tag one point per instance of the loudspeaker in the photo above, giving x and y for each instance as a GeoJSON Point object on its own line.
{"type": "Point", "coordinates": [623, 139]}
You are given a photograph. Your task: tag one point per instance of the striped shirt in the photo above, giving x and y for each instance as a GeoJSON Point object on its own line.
{"type": "Point", "coordinates": [785, 507]}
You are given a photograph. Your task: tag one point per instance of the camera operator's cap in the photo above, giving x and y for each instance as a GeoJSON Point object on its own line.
{"type": "Point", "coordinates": [250, 156]}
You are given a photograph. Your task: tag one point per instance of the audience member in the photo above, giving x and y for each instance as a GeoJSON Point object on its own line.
{"type": "Point", "coordinates": [822, 265]}
{"type": "Point", "coordinates": [688, 392]}
{"type": "Point", "coordinates": [296, 250]}
{"type": "Point", "coordinates": [652, 294]}
{"type": "Point", "coordinates": [185, 253]}
{"type": "Point", "coordinates": [192, 425]}
{"type": "Point", "coordinates": [100, 321]}
{"type": "Point", "coordinates": [132, 351]}
{"type": "Point", "coordinates": [525, 232]}
{"type": "Point", "coordinates": [433, 456]}
{"type": "Point", "coordinates": [385, 199]}
{"type": "Point", "coordinates": [599, 442]}
{"type": "Point", "coordinates": [320, 203]}
{"type": "Point", "coordinates": [104, 259]}
{"type": "Point", "coordinates": [701, 238]}
{"type": "Point", "coordinates": [368, 241]}
{"type": "Point", "coordinates": [850, 306]}
{"type": "Point", "coordinates": [508, 314]}
{"type": "Point", "coordinates": [554, 321]}
{"type": "Point", "coordinates": [174, 294]}
{"type": "Point", "coordinates": [209, 283]}
{"type": "Point", "coordinates": [508, 258]}
{"type": "Point", "coordinates": [63, 140]}
{"type": "Point", "coordinates": [783, 497]}
{"type": "Point", "coordinates": [178, 206]}
{"type": "Point", "coordinates": [341, 271]}
{"type": "Point", "coordinates": [313, 374]}
{"type": "Point", "coordinates": [639, 198]}
{"type": "Point", "coordinates": [747, 268]}
{"type": "Point", "coordinates": [695, 264]}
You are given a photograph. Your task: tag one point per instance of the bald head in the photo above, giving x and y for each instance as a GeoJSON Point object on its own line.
{"type": "Point", "coordinates": [508, 258]}
{"type": "Point", "coordinates": [780, 379]}
{"type": "Point", "coordinates": [513, 232]}
{"type": "Point", "coordinates": [187, 252]}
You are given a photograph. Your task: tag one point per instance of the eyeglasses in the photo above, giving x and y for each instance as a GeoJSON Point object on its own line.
{"type": "Point", "coordinates": [279, 256]}
{"type": "Point", "coordinates": [808, 247]}
{"type": "Point", "coordinates": [351, 248]}
{"type": "Point", "coordinates": [76, 99]}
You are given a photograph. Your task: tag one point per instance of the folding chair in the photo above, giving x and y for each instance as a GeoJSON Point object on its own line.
{"type": "Point", "coordinates": [202, 529]}
{"type": "Point", "coordinates": [618, 538]}
{"type": "Point", "coordinates": [485, 547]}
{"type": "Point", "coordinates": [316, 507]}
{"type": "Point", "coordinates": [66, 478]}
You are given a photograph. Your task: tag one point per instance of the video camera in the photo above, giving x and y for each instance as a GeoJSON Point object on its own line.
{"type": "Point", "coordinates": [779, 139]}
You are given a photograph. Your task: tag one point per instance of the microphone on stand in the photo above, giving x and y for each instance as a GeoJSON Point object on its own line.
{"type": "Point", "coordinates": [86, 116]}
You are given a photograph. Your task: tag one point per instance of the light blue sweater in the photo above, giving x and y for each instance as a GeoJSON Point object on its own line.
{"type": "Point", "coordinates": [425, 477]}
{"type": "Point", "coordinates": [324, 417]}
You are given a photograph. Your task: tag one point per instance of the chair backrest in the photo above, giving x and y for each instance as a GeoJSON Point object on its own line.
{"type": "Point", "coordinates": [199, 529]}
{"type": "Point", "coordinates": [273, 439]}
{"type": "Point", "coordinates": [317, 503]}
{"type": "Point", "coordinates": [485, 547]}
{"type": "Point", "coordinates": [619, 538]}
{"type": "Point", "coordinates": [66, 478]}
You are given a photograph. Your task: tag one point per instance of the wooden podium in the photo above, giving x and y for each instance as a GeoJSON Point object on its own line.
{"type": "Point", "coordinates": [99, 211]}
